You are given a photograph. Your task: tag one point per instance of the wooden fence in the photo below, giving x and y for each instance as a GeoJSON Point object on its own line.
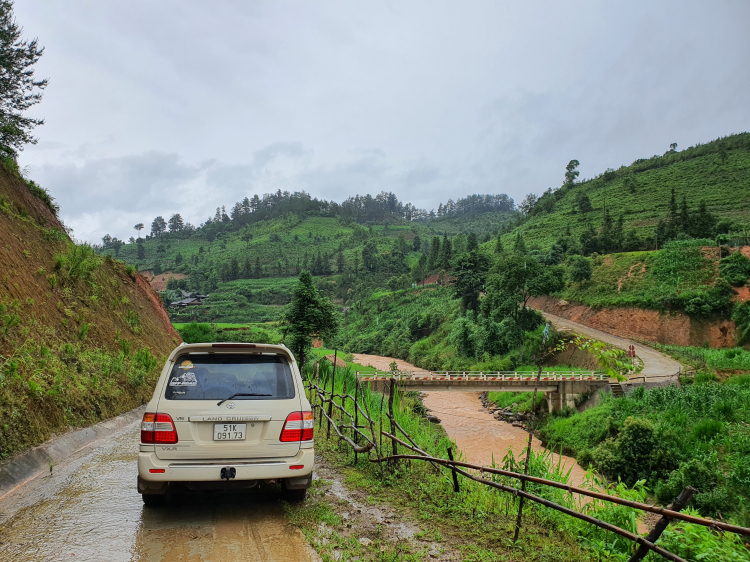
{"type": "Point", "coordinates": [370, 442]}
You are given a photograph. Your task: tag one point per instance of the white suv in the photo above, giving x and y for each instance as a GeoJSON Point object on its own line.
{"type": "Point", "coordinates": [227, 415]}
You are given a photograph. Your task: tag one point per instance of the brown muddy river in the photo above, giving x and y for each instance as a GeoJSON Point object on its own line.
{"type": "Point", "coordinates": [478, 435]}
{"type": "Point", "coordinates": [89, 509]}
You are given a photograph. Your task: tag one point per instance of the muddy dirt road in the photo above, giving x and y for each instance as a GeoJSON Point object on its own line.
{"type": "Point", "coordinates": [477, 434]}
{"type": "Point", "coordinates": [88, 509]}
{"type": "Point", "coordinates": [657, 367]}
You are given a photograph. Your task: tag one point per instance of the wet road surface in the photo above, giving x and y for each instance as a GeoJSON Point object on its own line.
{"type": "Point", "coordinates": [657, 367]}
{"type": "Point", "coordinates": [88, 509]}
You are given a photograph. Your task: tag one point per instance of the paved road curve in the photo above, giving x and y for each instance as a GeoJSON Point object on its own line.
{"type": "Point", "coordinates": [655, 364]}
{"type": "Point", "coordinates": [89, 510]}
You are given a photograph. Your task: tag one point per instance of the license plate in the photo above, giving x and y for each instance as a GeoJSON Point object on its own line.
{"type": "Point", "coordinates": [230, 431]}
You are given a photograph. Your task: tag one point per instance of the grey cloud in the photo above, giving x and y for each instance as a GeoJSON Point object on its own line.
{"type": "Point", "coordinates": [148, 113]}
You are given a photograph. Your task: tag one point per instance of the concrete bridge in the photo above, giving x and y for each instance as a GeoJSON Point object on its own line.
{"type": "Point", "coordinates": [560, 389]}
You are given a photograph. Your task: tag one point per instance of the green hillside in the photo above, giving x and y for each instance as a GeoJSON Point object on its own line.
{"type": "Point", "coordinates": [248, 258]}
{"type": "Point", "coordinates": [716, 173]}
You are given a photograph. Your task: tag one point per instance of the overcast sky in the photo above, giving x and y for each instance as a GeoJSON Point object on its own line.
{"type": "Point", "coordinates": [182, 106]}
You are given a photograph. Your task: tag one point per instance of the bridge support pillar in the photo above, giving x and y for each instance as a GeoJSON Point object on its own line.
{"type": "Point", "coordinates": [566, 394]}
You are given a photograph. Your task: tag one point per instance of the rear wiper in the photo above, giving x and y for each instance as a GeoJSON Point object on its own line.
{"type": "Point", "coordinates": [241, 394]}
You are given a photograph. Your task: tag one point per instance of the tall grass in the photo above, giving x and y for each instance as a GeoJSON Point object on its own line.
{"type": "Point", "coordinates": [480, 507]}
{"type": "Point", "coordinates": [79, 262]}
{"type": "Point", "coordinates": [736, 358]}
{"type": "Point", "coordinates": [669, 437]}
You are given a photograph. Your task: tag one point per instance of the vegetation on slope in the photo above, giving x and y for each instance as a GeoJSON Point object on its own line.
{"type": "Point", "coordinates": [428, 498]}
{"type": "Point", "coordinates": [670, 438]}
{"type": "Point", "coordinates": [82, 336]}
{"type": "Point", "coordinates": [643, 194]}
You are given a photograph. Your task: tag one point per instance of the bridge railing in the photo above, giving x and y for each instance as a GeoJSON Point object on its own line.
{"type": "Point", "coordinates": [480, 375]}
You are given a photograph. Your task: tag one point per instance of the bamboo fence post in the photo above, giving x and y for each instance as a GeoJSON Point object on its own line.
{"type": "Point", "coordinates": [382, 399]}
{"type": "Point", "coordinates": [391, 394]}
{"type": "Point", "coordinates": [528, 454]}
{"type": "Point", "coordinates": [333, 389]}
{"type": "Point", "coordinates": [453, 470]}
{"type": "Point", "coordinates": [318, 395]}
{"type": "Point", "coordinates": [356, 417]}
{"type": "Point", "coordinates": [343, 400]}
{"type": "Point", "coordinates": [372, 424]}
{"type": "Point", "coordinates": [679, 502]}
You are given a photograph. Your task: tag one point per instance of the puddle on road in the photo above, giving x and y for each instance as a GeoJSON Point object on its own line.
{"type": "Point", "coordinates": [94, 513]}
{"type": "Point", "coordinates": [480, 436]}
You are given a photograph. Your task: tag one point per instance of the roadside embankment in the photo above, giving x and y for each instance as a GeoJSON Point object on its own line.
{"type": "Point", "coordinates": [675, 328]}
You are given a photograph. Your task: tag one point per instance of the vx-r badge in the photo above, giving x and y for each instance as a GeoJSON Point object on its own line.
{"type": "Point", "coordinates": [231, 405]}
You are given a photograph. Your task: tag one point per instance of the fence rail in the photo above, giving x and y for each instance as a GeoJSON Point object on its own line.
{"type": "Point", "coordinates": [370, 441]}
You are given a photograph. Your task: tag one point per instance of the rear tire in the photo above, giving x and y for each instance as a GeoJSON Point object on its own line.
{"type": "Point", "coordinates": [154, 500]}
{"type": "Point", "coordinates": [294, 495]}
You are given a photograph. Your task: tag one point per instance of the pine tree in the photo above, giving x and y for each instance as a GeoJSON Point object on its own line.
{"type": "Point", "coordinates": [258, 271]}
{"type": "Point", "coordinates": [471, 242]}
{"type": "Point", "coordinates": [234, 268]}
{"type": "Point", "coordinates": [674, 219]}
{"type": "Point", "coordinates": [309, 315]}
{"type": "Point", "coordinates": [433, 259]}
{"type": "Point", "coordinates": [18, 89]}
{"type": "Point", "coordinates": [684, 216]}
{"type": "Point", "coordinates": [519, 246]}
{"type": "Point", "coordinates": [340, 263]}
{"type": "Point", "coordinates": [499, 245]}
{"type": "Point", "coordinates": [446, 253]}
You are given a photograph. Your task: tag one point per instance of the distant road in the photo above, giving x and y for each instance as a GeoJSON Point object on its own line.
{"type": "Point", "coordinates": [655, 364]}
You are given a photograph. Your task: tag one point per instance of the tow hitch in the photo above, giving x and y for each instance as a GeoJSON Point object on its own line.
{"type": "Point", "coordinates": [228, 472]}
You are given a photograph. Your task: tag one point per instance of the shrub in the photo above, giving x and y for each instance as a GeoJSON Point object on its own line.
{"type": "Point", "coordinates": [629, 456]}
{"type": "Point", "coordinates": [42, 194]}
{"type": "Point", "coordinates": [79, 262]}
{"type": "Point", "coordinates": [735, 268]}
{"type": "Point", "coordinates": [705, 477]}
{"type": "Point", "coordinates": [741, 317]}
{"type": "Point", "coordinates": [198, 333]}
{"type": "Point", "coordinates": [706, 430]}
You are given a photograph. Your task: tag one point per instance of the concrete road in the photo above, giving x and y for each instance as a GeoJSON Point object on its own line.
{"type": "Point", "coordinates": [657, 367]}
{"type": "Point", "coordinates": [88, 509]}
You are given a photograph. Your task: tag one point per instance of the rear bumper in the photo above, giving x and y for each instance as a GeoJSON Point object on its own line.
{"type": "Point", "coordinates": [210, 470]}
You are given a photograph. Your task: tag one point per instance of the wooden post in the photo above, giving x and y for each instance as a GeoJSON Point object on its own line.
{"type": "Point", "coordinates": [333, 387]}
{"type": "Point", "coordinates": [356, 417]}
{"type": "Point", "coordinates": [391, 394]}
{"type": "Point", "coordinates": [343, 403]}
{"type": "Point", "coordinates": [319, 395]}
{"type": "Point", "coordinates": [382, 399]}
{"type": "Point", "coordinates": [372, 424]}
{"type": "Point", "coordinates": [453, 470]}
{"type": "Point", "coordinates": [528, 454]}
{"type": "Point", "coordinates": [679, 502]}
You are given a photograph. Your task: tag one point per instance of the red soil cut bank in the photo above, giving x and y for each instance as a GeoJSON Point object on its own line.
{"type": "Point", "coordinates": [673, 328]}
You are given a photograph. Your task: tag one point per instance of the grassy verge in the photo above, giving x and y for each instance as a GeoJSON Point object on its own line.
{"type": "Point", "coordinates": [734, 359]}
{"type": "Point", "coordinates": [669, 438]}
{"type": "Point", "coordinates": [477, 523]}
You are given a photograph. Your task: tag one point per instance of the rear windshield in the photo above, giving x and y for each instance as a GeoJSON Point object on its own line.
{"type": "Point", "coordinates": [218, 376]}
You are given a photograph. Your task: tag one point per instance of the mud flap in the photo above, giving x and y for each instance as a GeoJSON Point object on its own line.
{"type": "Point", "coordinates": [151, 488]}
{"type": "Point", "coordinates": [301, 483]}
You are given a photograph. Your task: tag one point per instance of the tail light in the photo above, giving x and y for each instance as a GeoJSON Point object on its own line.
{"type": "Point", "coordinates": [158, 428]}
{"type": "Point", "coordinates": [298, 427]}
